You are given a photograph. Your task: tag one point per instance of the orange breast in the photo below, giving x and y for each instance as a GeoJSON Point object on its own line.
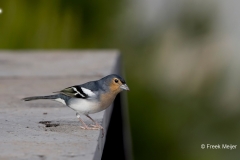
{"type": "Point", "coordinates": [106, 100]}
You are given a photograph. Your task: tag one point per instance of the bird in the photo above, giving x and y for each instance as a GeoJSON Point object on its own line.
{"type": "Point", "coordinates": [88, 98]}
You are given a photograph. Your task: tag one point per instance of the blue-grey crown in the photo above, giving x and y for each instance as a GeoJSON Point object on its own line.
{"type": "Point", "coordinates": [109, 78]}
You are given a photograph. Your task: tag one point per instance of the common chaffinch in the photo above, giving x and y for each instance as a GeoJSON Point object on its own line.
{"type": "Point", "coordinates": [89, 98]}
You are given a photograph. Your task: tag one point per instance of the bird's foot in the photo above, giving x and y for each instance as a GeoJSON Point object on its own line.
{"type": "Point", "coordinates": [93, 127]}
{"type": "Point", "coordinates": [88, 128]}
{"type": "Point", "coordinates": [96, 126]}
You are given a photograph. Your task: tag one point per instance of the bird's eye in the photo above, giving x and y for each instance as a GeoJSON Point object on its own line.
{"type": "Point", "coordinates": [116, 80]}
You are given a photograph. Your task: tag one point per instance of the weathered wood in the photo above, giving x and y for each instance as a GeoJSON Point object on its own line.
{"type": "Point", "coordinates": [30, 73]}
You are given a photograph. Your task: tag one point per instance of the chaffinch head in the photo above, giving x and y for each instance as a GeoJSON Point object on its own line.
{"type": "Point", "coordinates": [90, 97]}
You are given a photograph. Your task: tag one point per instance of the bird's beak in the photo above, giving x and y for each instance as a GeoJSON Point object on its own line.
{"type": "Point", "coordinates": [125, 87]}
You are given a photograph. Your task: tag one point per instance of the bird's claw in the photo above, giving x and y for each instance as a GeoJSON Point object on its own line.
{"type": "Point", "coordinates": [96, 126]}
{"type": "Point", "coordinates": [88, 128]}
{"type": "Point", "coordinates": [93, 127]}
{"type": "Point", "coordinates": [99, 127]}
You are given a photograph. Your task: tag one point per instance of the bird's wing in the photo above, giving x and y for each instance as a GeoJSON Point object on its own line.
{"type": "Point", "coordinates": [78, 92]}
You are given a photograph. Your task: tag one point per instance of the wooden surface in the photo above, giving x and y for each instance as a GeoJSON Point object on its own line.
{"type": "Point", "coordinates": [32, 73]}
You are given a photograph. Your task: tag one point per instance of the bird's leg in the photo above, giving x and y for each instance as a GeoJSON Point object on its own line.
{"type": "Point", "coordinates": [84, 124]}
{"type": "Point", "coordinates": [98, 126]}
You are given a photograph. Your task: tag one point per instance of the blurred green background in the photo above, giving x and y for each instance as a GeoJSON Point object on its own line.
{"type": "Point", "coordinates": [181, 60]}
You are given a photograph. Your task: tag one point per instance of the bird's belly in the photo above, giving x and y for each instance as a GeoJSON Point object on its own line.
{"type": "Point", "coordinates": [84, 106]}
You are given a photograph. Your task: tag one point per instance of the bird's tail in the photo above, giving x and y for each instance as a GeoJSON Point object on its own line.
{"type": "Point", "coordinates": [40, 97]}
